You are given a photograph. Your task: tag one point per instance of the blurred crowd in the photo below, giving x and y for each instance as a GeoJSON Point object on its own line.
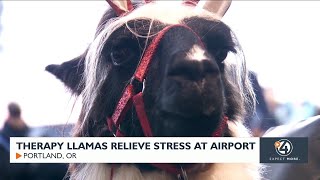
{"type": "Point", "coordinates": [270, 112]}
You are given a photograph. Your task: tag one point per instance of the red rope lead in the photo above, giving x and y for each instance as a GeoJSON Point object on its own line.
{"type": "Point", "coordinates": [221, 128]}
{"type": "Point", "coordinates": [142, 116]}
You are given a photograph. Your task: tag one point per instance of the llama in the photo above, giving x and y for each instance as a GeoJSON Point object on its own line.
{"type": "Point", "coordinates": [161, 69]}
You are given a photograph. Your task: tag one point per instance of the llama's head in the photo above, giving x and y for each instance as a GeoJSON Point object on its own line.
{"type": "Point", "coordinates": [189, 85]}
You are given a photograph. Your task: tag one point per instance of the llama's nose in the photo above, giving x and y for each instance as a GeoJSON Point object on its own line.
{"type": "Point", "coordinates": [185, 55]}
{"type": "Point", "coordinates": [185, 66]}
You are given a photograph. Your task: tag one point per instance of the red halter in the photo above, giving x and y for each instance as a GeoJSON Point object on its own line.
{"type": "Point", "coordinates": [131, 97]}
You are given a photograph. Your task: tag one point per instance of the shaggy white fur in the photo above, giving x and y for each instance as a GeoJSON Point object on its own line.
{"type": "Point", "coordinates": [222, 171]}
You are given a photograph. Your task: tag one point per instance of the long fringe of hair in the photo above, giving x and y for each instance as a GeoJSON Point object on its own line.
{"type": "Point", "coordinates": [96, 69]}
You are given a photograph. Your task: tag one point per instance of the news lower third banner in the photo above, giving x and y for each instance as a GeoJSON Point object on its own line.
{"type": "Point", "coordinates": [157, 150]}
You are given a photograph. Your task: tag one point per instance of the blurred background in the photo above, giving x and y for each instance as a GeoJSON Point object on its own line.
{"type": "Point", "coordinates": [280, 40]}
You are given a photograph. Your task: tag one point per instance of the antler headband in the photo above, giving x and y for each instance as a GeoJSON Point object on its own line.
{"type": "Point", "coordinates": [218, 7]}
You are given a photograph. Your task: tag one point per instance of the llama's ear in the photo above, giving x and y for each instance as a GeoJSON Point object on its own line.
{"type": "Point", "coordinates": [121, 6]}
{"type": "Point", "coordinates": [219, 7]}
{"type": "Point", "coordinates": [70, 73]}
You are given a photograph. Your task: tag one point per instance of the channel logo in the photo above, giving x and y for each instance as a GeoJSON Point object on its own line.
{"type": "Point", "coordinates": [283, 147]}
{"type": "Point", "coordinates": [284, 150]}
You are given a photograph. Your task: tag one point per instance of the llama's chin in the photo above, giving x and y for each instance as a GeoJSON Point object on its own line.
{"type": "Point", "coordinates": [181, 125]}
{"type": "Point", "coordinates": [191, 105]}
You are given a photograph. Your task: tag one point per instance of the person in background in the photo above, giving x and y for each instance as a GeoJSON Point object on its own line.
{"type": "Point", "coordinates": [14, 126]}
{"type": "Point", "coordinates": [262, 119]}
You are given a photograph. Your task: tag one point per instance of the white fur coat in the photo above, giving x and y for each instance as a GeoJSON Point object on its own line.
{"type": "Point", "coordinates": [225, 171]}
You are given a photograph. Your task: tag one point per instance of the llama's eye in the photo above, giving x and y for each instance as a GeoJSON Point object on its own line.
{"type": "Point", "coordinates": [124, 51]}
{"type": "Point", "coordinates": [221, 55]}
{"type": "Point", "coordinates": [120, 56]}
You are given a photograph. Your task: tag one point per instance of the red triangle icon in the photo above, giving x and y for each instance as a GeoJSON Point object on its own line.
{"type": "Point", "coordinates": [18, 155]}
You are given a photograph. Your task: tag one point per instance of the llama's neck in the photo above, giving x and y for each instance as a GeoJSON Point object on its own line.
{"type": "Point", "coordinates": [131, 172]}
{"type": "Point", "coordinates": [219, 171]}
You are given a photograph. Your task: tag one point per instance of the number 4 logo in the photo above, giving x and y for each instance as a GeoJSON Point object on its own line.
{"type": "Point", "coordinates": [283, 147]}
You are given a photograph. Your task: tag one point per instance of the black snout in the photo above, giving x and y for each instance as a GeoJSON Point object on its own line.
{"type": "Point", "coordinates": [184, 68]}
{"type": "Point", "coordinates": [186, 57]}
{"type": "Point", "coordinates": [190, 96]}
